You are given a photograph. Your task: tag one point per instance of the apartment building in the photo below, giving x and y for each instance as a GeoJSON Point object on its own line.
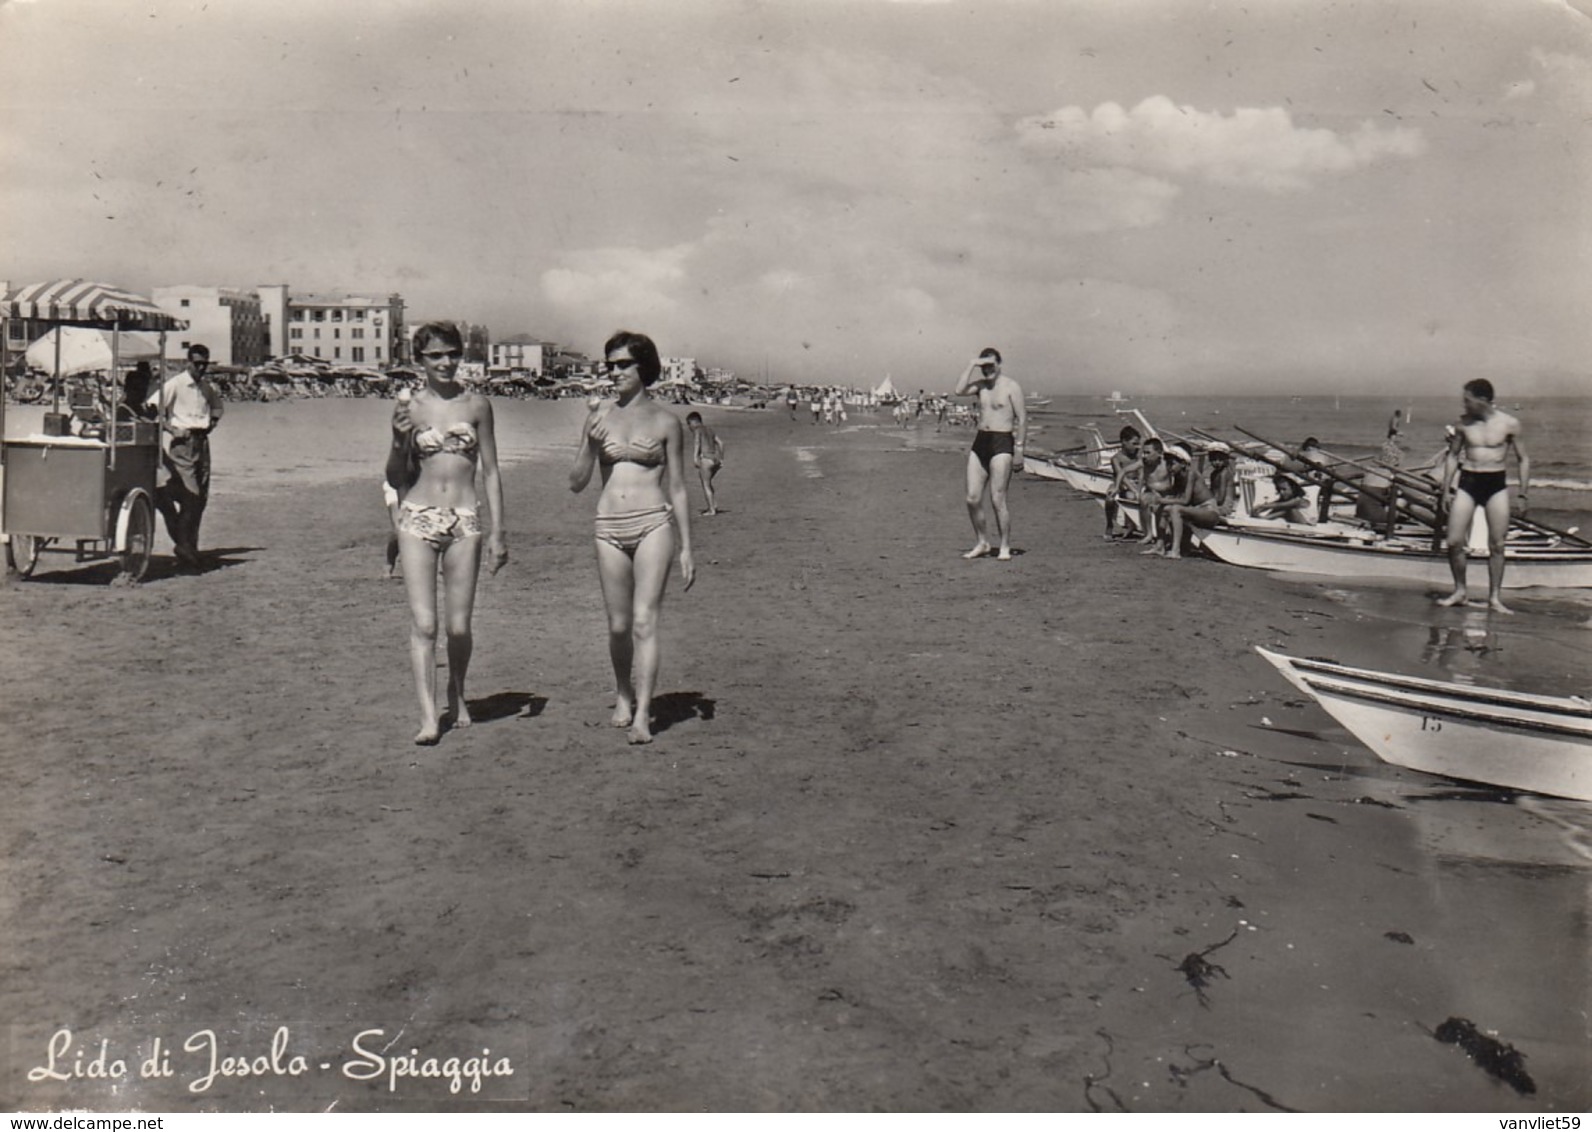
{"type": "Point", "coordinates": [229, 321]}
{"type": "Point", "coordinates": [342, 329]}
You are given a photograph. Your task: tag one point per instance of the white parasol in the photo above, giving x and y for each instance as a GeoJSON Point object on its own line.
{"type": "Point", "coordinates": [85, 349]}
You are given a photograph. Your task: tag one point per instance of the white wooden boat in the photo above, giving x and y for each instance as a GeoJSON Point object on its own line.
{"type": "Point", "coordinates": [1044, 468]}
{"type": "Point", "coordinates": [1513, 739]}
{"type": "Point", "coordinates": [1359, 558]}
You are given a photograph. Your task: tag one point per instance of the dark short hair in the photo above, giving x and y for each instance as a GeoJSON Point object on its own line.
{"type": "Point", "coordinates": [1157, 441]}
{"type": "Point", "coordinates": [1128, 433]}
{"type": "Point", "coordinates": [1480, 387]}
{"type": "Point", "coordinates": [447, 332]}
{"type": "Point", "coordinates": [990, 352]}
{"type": "Point", "coordinates": [199, 351]}
{"type": "Point", "coordinates": [692, 416]}
{"type": "Point", "coordinates": [642, 349]}
{"type": "Point", "coordinates": [1311, 442]}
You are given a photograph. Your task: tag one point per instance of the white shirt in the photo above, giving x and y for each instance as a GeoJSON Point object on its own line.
{"type": "Point", "coordinates": [188, 402]}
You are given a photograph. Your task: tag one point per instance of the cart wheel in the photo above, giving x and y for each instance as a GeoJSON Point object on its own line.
{"type": "Point", "coordinates": [140, 541]}
{"type": "Point", "coordinates": [25, 553]}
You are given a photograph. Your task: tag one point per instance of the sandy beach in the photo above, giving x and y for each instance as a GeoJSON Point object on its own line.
{"type": "Point", "coordinates": [916, 833]}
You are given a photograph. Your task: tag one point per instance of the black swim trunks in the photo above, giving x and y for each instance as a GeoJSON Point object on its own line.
{"type": "Point", "coordinates": [988, 445]}
{"type": "Point", "coordinates": [1482, 486]}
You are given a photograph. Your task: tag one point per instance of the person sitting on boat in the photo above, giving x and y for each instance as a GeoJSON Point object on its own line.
{"type": "Point", "coordinates": [1205, 499]}
{"type": "Point", "coordinates": [1478, 452]}
{"type": "Point", "coordinates": [1291, 504]}
{"type": "Point", "coordinates": [1155, 482]}
{"type": "Point", "coordinates": [1124, 479]}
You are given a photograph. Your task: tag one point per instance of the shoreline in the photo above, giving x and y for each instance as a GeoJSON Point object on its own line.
{"type": "Point", "coordinates": [916, 832]}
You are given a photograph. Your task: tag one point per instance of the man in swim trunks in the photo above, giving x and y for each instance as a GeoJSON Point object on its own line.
{"type": "Point", "coordinates": [1124, 478]}
{"type": "Point", "coordinates": [997, 449]}
{"type": "Point", "coordinates": [1155, 482]}
{"type": "Point", "coordinates": [1478, 451]}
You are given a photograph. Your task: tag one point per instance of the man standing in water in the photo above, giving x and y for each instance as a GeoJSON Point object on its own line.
{"type": "Point", "coordinates": [997, 449]}
{"type": "Point", "coordinates": [1478, 449]}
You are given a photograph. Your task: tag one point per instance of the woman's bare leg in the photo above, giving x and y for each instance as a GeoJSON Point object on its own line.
{"type": "Point", "coordinates": [651, 574]}
{"type": "Point", "coordinates": [461, 565]}
{"type": "Point", "coordinates": [616, 572]}
{"type": "Point", "coordinates": [419, 560]}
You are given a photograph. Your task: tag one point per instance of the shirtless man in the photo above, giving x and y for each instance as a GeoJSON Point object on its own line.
{"type": "Point", "coordinates": [997, 449]}
{"type": "Point", "coordinates": [1478, 451]}
{"type": "Point", "coordinates": [1124, 469]}
{"type": "Point", "coordinates": [1155, 481]}
{"type": "Point", "coordinates": [1202, 504]}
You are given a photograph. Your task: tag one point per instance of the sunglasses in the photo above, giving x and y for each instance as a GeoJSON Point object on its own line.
{"type": "Point", "coordinates": [619, 364]}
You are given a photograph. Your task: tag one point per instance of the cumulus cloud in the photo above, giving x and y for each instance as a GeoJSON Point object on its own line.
{"type": "Point", "coordinates": [638, 282]}
{"type": "Point", "coordinates": [1106, 199]}
{"type": "Point", "coordinates": [1568, 76]}
{"type": "Point", "coordinates": [1253, 147]}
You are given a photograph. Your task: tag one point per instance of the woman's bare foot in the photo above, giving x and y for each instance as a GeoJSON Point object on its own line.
{"type": "Point", "coordinates": [639, 732]}
{"type": "Point", "coordinates": [1005, 555]}
{"type": "Point", "coordinates": [624, 713]}
{"type": "Point", "coordinates": [458, 709]}
{"type": "Point", "coordinates": [428, 734]}
{"type": "Point", "coordinates": [1455, 598]}
{"type": "Point", "coordinates": [982, 550]}
{"type": "Point", "coordinates": [1496, 604]}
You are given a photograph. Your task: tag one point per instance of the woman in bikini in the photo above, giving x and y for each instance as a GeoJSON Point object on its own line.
{"type": "Point", "coordinates": [445, 433]}
{"type": "Point", "coordinates": [640, 448]}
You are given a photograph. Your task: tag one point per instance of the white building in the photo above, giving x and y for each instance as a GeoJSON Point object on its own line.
{"type": "Point", "coordinates": [228, 321]}
{"type": "Point", "coordinates": [350, 330]}
{"type": "Point", "coordinates": [521, 352]}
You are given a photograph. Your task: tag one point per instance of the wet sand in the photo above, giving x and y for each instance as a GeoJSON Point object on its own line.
{"type": "Point", "coordinates": [916, 833]}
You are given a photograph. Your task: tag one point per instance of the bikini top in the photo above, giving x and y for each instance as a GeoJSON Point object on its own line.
{"type": "Point", "coordinates": [646, 452]}
{"type": "Point", "coordinates": [458, 440]}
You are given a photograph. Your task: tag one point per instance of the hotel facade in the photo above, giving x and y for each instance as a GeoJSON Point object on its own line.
{"type": "Point", "coordinates": [342, 329]}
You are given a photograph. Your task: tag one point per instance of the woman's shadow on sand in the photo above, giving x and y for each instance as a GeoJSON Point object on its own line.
{"type": "Point", "coordinates": [677, 707]}
{"type": "Point", "coordinates": [507, 705]}
{"type": "Point", "coordinates": [667, 710]}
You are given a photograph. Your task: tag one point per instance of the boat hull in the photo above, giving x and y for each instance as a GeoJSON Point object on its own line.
{"type": "Point", "coordinates": [1522, 742]}
{"type": "Point", "coordinates": [1564, 568]}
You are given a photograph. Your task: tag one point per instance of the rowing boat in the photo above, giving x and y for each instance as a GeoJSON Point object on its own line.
{"type": "Point", "coordinates": [1518, 740]}
{"type": "Point", "coordinates": [1564, 567]}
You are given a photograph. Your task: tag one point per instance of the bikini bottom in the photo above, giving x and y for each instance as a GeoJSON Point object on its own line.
{"type": "Point", "coordinates": [439, 526]}
{"type": "Point", "coordinates": [627, 531]}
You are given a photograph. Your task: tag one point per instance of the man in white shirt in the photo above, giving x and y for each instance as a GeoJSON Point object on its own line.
{"type": "Point", "coordinates": [190, 408]}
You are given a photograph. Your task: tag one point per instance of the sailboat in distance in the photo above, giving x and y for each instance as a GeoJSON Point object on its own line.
{"type": "Point", "coordinates": [1116, 398]}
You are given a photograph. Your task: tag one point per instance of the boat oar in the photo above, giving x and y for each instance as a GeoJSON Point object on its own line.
{"type": "Point", "coordinates": [1431, 485]}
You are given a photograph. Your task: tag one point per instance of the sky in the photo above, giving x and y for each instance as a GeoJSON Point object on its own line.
{"type": "Point", "coordinates": [1154, 196]}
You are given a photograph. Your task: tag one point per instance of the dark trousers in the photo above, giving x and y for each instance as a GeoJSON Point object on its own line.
{"type": "Point", "coordinates": [183, 496]}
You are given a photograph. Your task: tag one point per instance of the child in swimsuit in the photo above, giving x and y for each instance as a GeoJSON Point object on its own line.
{"type": "Point", "coordinates": [708, 455]}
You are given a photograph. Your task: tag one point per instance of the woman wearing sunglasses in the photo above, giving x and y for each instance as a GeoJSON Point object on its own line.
{"type": "Point", "coordinates": [439, 440]}
{"type": "Point", "coordinates": [642, 512]}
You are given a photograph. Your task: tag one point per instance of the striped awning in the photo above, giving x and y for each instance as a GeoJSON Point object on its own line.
{"type": "Point", "coordinates": [85, 303]}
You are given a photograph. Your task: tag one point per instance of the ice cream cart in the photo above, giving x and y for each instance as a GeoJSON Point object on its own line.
{"type": "Point", "coordinates": [85, 484]}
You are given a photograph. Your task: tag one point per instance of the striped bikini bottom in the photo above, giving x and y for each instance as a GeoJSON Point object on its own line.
{"type": "Point", "coordinates": [626, 531]}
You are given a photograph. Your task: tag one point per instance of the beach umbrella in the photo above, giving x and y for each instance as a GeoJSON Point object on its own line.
{"type": "Point", "coordinates": [85, 349]}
